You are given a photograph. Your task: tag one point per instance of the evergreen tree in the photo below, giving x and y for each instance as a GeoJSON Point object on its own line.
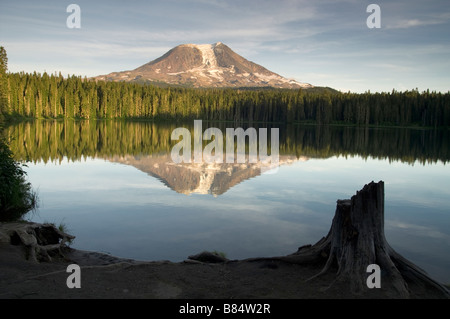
{"type": "Point", "coordinates": [53, 96]}
{"type": "Point", "coordinates": [16, 195]}
{"type": "Point", "coordinates": [3, 81]}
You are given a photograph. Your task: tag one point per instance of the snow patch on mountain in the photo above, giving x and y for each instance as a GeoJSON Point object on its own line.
{"type": "Point", "coordinates": [209, 57]}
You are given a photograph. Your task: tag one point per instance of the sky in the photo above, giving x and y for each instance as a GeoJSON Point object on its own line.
{"type": "Point", "coordinates": [323, 42]}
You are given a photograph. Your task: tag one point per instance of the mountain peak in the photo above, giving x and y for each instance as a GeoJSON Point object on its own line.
{"type": "Point", "coordinates": [204, 65]}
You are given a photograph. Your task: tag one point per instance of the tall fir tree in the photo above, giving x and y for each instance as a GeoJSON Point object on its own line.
{"type": "Point", "coordinates": [3, 81]}
{"type": "Point", "coordinates": [36, 95]}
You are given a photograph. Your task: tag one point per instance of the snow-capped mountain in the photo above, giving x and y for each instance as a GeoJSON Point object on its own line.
{"type": "Point", "coordinates": [204, 65]}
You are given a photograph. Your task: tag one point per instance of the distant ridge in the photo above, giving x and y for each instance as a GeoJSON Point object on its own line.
{"type": "Point", "coordinates": [204, 65]}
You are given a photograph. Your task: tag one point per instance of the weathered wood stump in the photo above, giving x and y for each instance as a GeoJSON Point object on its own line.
{"type": "Point", "coordinates": [40, 241]}
{"type": "Point", "coordinates": [356, 240]}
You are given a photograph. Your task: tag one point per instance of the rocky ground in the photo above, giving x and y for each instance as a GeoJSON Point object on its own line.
{"type": "Point", "coordinates": [105, 276]}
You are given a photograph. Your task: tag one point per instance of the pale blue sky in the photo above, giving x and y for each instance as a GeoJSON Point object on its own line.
{"type": "Point", "coordinates": [325, 43]}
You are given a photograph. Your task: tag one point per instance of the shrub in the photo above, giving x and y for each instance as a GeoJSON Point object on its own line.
{"type": "Point", "coordinates": [17, 197]}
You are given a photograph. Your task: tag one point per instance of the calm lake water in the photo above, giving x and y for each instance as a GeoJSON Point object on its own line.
{"type": "Point", "coordinates": [116, 188]}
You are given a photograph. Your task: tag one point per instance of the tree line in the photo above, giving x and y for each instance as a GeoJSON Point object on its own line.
{"type": "Point", "coordinates": [54, 96]}
{"type": "Point", "coordinates": [16, 194]}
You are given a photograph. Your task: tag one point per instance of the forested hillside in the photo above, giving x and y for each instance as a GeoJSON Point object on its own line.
{"type": "Point", "coordinates": [53, 96]}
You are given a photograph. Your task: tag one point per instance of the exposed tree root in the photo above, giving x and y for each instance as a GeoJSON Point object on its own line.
{"type": "Point", "coordinates": [41, 241]}
{"type": "Point", "coordinates": [356, 240]}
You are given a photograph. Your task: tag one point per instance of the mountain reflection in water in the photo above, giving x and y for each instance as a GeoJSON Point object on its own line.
{"type": "Point", "coordinates": [89, 175]}
{"type": "Point", "coordinates": [198, 178]}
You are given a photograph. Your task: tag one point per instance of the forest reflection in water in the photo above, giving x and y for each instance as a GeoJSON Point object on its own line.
{"type": "Point", "coordinates": [98, 177]}
{"type": "Point", "coordinates": [50, 140]}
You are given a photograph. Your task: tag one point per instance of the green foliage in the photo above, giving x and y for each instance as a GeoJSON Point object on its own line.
{"type": "Point", "coordinates": [220, 253]}
{"type": "Point", "coordinates": [16, 195]}
{"type": "Point", "coordinates": [3, 81]}
{"type": "Point", "coordinates": [53, 96]}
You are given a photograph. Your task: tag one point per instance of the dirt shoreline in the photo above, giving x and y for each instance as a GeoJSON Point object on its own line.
{"type": "Point", "coordinates": [108, 277]}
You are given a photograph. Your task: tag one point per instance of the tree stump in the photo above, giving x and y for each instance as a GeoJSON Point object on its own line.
{"type": "Point", "coordinates": [41, 241]}
{"type": "Point", "coordinates": [356, 240]}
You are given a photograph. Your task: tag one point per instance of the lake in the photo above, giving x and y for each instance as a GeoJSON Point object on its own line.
{"type": "Point", "coordinates": [117, 189]}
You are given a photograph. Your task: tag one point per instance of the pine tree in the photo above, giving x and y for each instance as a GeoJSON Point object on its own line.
{"type": "Point", "coordinates": [3, 81]}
